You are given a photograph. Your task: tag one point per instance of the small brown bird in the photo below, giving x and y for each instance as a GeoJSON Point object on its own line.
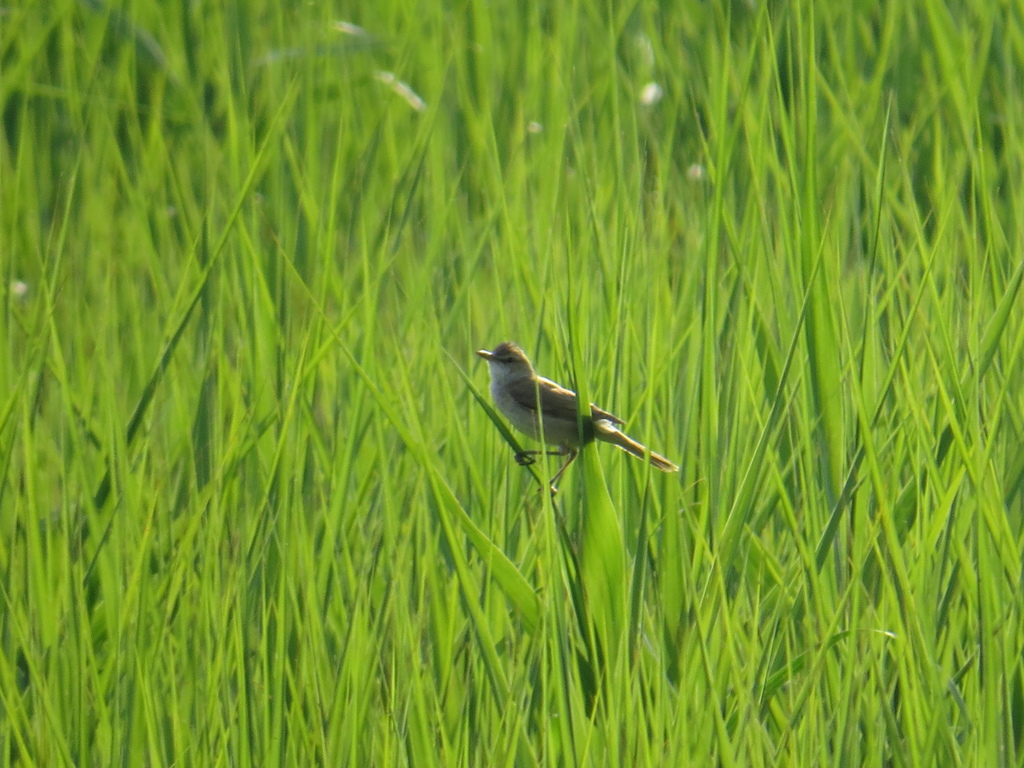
{"type": "Point", "coordinates": [521, 394]}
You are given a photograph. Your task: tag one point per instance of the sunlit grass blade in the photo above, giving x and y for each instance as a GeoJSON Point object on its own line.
{"type": "Point", "coordinates": [780, 240]}
{"type": "Point", "coordinates": [517, 589]}
{"type": "Point", "coordinates": [177, 331]}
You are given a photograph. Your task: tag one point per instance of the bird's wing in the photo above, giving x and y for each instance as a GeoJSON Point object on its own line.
{"type": "Point", "coordinates": [600, 413]}
{"type": "Point", "coordinates": [556, 400]}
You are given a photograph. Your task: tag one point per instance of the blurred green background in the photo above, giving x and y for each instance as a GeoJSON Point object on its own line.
{"type": "Point", "coordinates": [254, 509]}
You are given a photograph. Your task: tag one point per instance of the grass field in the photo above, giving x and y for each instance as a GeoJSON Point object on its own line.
{"type": "Point", "coordinates": [254, 509]}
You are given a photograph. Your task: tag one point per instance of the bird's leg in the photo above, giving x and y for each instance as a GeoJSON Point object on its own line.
{"type": "Point", "coordinates": [558, 474]}
{"type": "Point", "coordinates": [525, 458]}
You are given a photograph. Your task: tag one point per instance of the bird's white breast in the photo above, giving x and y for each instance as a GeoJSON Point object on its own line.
{"type": "Point", "coordinates": [521, 418]}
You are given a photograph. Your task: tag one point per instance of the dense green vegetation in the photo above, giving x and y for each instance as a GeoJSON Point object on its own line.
{"type": "Point", "coordinates": [254, 509]}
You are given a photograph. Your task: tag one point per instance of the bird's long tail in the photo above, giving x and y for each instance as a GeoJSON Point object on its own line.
{"type": "Point", "coordinates": [608, 432]}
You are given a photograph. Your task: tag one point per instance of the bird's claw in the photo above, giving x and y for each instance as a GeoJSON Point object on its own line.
{"type": "Point", "coordinates": [551, 489]}
{"type": "Point", "coordinates": [524, 459]}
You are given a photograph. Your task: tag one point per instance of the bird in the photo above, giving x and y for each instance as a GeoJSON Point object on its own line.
{"type": "Point", "coordinates": [529, 400]}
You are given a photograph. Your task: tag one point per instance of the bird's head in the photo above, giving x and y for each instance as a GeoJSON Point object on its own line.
{"type": "Point", "coordinates": [507, 362]}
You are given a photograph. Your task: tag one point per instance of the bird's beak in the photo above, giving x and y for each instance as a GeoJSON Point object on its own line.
{"type": "Point", "coordinates": [484, 354]}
